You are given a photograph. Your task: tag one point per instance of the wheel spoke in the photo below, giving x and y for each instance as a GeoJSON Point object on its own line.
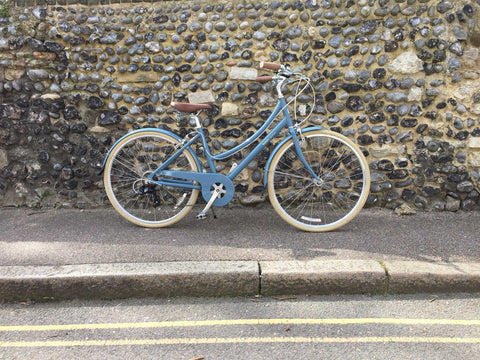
{"type": "Point", "coordinates": [131, 192]}
{"type": "Point", "coordinates": [319, 205]}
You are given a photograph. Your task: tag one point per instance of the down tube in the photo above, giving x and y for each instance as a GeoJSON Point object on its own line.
{"type": "Point", "coordinates": [264, 143]}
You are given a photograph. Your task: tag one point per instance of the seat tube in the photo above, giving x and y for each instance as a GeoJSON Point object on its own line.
{"type": "Point", "coordinates": [206, 148]}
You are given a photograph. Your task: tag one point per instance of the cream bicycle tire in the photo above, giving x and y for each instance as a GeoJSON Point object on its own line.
{"type": "Point", "coordinates": [129, 193]}
{"type": "Point", "coordinates": [309, 205]}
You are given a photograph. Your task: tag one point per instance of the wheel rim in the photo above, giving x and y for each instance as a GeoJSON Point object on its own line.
{"type": "Point", "coordinates": [319, 206]}
{"type": "Point", "coordinates": [133, 195]}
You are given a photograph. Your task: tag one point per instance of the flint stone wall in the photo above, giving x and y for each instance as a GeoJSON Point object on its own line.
{"type": "Point", "coordinates": [399, 77]}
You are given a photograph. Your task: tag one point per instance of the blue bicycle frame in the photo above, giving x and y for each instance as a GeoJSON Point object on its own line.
{"type": "Point", "coordinates": [189, 179]}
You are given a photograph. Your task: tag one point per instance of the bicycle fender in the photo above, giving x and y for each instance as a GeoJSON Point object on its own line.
{"type": "Point", "coordinates": [303, 131]}
{"type": "Point", "coordinates": [150, 129]}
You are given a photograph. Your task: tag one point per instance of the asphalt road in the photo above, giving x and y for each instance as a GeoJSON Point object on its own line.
{"type": "Point", "coordinates": [62, 237]}
{"type": "Point", "coordinates": [336, 327]}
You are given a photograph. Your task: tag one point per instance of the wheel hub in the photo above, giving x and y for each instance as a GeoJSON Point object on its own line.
{"type": "Point", "coordinates": [144, 188]}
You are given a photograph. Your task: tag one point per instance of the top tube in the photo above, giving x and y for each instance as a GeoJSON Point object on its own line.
{"type": "Point", "coordinates": [280, 105]}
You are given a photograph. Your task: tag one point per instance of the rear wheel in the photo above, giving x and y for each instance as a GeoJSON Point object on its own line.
{"type": "Point", "coordinates": [324, 205]}
{"type": "Point", "coordinates": [132, 194]}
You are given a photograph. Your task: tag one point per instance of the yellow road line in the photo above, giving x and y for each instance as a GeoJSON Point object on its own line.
{"type": "Point", "coordinates": [241, 340]}
{"type": "Point", "coordinates": [171, 324]}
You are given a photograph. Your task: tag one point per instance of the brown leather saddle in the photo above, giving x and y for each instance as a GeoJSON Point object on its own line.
{"type": "Point", "coordinates": [188, 107]}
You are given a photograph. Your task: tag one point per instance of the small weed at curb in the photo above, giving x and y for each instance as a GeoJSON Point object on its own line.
{"type": "Point", "coordinates": [19, 28]}
{"type": "Point", "coordinates": [4, 13]}
{"type": "Point", "coordinates": [45, 194]}
{"type": "Point", "coordinates": [5, 7]}
{"type": "Point", "coordinates": [382, 264]}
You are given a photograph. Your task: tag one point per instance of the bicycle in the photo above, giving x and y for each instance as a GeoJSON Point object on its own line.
{"type": "Point", "coordinates": [317, 179]}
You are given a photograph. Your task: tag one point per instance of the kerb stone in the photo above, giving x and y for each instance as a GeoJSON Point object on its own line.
{"type": "Point", "coordinates": [321, 277]}
{"type": "Point", "coordinates": [408, 277]}
{"type": "Point", "coordinates": [111, 281]}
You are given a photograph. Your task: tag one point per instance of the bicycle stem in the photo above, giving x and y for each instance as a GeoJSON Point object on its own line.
{"type": "Point", "coordinates": [279, 86]}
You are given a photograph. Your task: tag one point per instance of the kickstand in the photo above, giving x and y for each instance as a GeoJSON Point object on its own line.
{"type": "Point", "coordinates": [213, 212]}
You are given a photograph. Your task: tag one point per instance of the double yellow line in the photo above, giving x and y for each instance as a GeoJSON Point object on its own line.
{"type": "Point", "coordinates": [232, 322]}
{"type": "Point", "coordinates": [243, 340]}
{"type": "Point", "coordinates": [239, 340]}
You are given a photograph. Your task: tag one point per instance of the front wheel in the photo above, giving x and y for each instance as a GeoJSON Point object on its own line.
{"type": "Point", "coordinates": [129, 189]}
{"type": "Point", "coordinates": [310, 204]}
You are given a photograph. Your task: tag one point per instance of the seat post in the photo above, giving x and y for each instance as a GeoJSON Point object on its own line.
{"type": "Point", "coordinates": [196, 117]}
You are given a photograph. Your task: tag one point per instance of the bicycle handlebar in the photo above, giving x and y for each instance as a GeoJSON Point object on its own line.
{"type": "Point", "coordinates": [282, 71]}
{"type": "Point", "coordinates": [264, 78]}
{"type": "Point", "coordinates": [270, 66]}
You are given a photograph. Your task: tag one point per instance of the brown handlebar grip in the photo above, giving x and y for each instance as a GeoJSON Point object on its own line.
{"type": "Point", "coordinates": [263, 78]}
{"type": "Point", "coordinates": [270, 66]}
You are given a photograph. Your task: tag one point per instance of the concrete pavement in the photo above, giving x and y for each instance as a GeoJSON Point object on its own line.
{"type": "Point", "coordinates": [68, 253]}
